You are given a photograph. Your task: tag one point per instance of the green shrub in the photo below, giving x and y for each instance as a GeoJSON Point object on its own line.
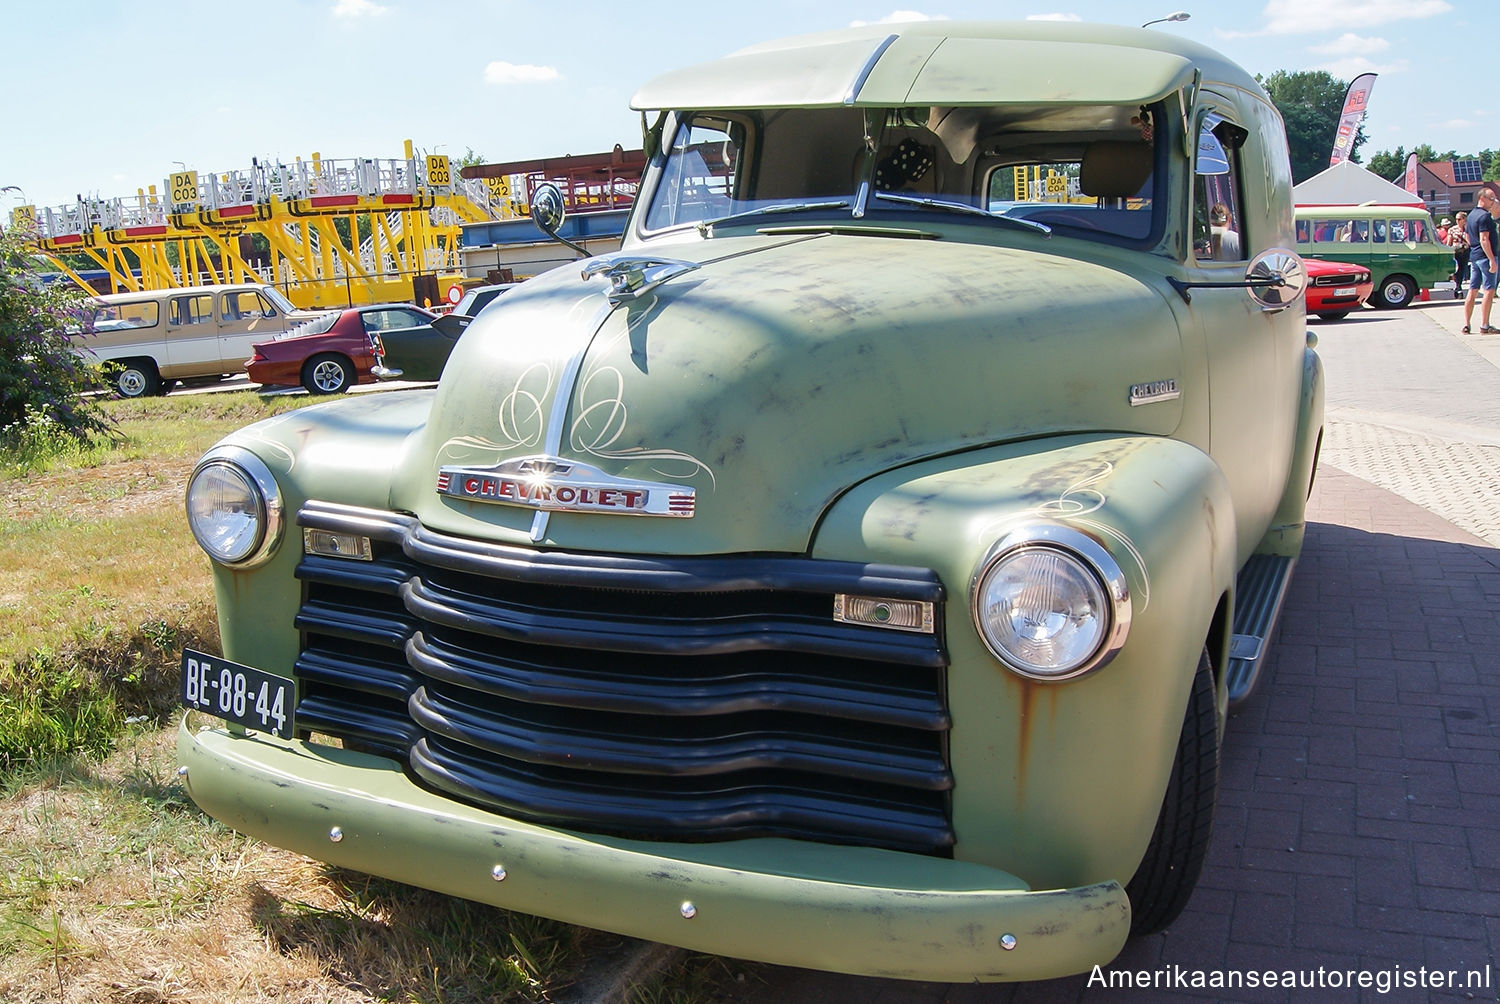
{"type": "Point", "coordinates": [41, 377]}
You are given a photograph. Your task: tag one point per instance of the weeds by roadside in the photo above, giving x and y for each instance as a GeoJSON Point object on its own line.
{"type": "Point", "coordinates": [113, 886]}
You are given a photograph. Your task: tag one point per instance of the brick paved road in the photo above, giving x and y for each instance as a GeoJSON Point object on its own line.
{"type": "Point", "coordinates": [1359, 813]}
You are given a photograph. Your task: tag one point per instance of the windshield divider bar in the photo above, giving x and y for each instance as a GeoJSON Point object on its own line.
{"type": "Point", "coordinates": [869, 67]}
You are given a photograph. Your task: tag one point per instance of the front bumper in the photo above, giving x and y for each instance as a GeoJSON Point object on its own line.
{"type": "Point", "coordinates": [841, 909]}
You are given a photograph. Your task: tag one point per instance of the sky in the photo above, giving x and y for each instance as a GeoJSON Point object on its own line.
{"type": "Point", "coordinates": [106, 97]}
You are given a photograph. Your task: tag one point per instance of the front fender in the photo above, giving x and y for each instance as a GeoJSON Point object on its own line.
{"type": "Point", "coordinates": [1060, 783]}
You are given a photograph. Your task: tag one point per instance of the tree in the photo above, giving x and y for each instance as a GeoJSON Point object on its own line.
{"type": "Point", "coordinates": [1311, 103]}
{"type": "Point", "coordinates": [41, 377]}
{"type": "Point", "coordinates": [1392, 165]}
{"type": "Point", "coordinates": [1388, 164]}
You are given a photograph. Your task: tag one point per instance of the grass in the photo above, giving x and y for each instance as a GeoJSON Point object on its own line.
{"type": "Point", "coordinates": [113, 886]}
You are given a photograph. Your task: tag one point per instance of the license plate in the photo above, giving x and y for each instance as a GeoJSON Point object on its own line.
{"type": "Point", "coordinates": [1345, 291]}
{"type": "Point", "coordinates": [239, 694]}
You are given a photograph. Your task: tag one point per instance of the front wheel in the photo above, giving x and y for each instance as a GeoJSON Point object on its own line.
{"type": "Point", "coordinates": [327, 374]}
{"type": "Point", "coordinates": [1396, 291]}
{"type": "Point", "coordinates": [1164, 881]}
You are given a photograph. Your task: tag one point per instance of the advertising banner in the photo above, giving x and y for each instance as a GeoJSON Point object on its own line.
{"type": "Point", "coordinates": [1356, 100]}
{"type": "Point", "coordinates": [1410, 181]}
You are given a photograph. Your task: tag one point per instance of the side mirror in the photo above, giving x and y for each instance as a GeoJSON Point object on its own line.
{"type": "Point", "coordinates": [547, 208]}
{"type": "Point", "coordinates": [548, 211]}
{"type": "Point", "coordinates": [1277, 278]}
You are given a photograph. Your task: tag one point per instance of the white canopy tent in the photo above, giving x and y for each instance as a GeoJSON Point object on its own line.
{"type": "Point", "coordinates": [1348, 184]}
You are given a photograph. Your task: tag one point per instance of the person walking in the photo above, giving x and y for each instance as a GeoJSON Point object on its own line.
{"type": "Point", "coordinates": [1484, 246]}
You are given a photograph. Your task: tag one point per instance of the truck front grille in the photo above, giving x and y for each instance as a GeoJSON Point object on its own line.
{"type": "Point", "coordinates": [658, 698]}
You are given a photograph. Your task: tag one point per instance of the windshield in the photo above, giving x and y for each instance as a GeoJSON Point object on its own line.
{"type": "Point", "coordinates": [1088, 171]}
{"type": "Point", "coordinates": [282, 303]}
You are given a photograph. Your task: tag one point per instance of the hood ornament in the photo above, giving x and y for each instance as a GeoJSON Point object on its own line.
{"type": "Point", "coordinates": [632, 275]}
{"type": "Point", "coordinates": [553, 484]}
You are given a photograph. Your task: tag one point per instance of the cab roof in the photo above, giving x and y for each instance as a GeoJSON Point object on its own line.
{"type": "Point", "coordinates": [946, 63]}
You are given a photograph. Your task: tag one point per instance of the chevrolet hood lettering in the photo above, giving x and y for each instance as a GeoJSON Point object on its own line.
{"type": "Point", "coordinates": [557, 485]}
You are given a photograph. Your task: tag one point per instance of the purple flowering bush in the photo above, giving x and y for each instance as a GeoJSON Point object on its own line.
{"type": "Point", "coordinates": [42, 378]}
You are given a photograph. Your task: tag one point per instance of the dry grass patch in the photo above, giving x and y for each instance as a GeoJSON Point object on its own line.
{"type": "Point", "coordinates": [117, 888]}
{"type": "Point", "coordinates": [114, 887]}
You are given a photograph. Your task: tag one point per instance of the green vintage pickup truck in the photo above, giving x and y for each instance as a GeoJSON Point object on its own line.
{"type": "Point", "coordinates": [851, 572]}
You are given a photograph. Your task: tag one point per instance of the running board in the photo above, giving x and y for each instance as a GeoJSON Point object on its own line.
{"type": "Point", "coordinates": [1259, 593]}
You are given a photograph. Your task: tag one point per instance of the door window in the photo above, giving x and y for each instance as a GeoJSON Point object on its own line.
{"type": "Point", "coordinates": [188, 310]}
{"type": "Point", "coordinates": [389, 319]}
{"type": "Point", "coordinates": [246, 305]}
{"type": "Point", "coordinates": [1218, 227]}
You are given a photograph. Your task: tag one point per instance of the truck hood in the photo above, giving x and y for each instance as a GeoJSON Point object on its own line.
{"type": "Point", "coordinates": [749, 393]}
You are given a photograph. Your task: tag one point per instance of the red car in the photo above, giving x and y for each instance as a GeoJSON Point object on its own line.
{"type": "Point", "coordinates": [337, 350]}
{"type": "Point", "coordinates": [1334, 288]}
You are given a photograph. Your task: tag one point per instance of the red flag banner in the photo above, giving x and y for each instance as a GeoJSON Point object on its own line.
{"type": "Point", "coordinates": [1410, 181]}
{"type": "Point", "coordinates": [1356, 100]}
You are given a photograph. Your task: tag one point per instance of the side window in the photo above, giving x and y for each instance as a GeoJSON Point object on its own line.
{"type": "Point", "coordinates": [246, 304]}
{"type": "Point", "coordinates": [1304, 232]}
{"type": "Point", "coordinates": [1333, 229]}
{"type": "Point", "coordinates": [1218, 225]}
{"type": "Point", "coordinates": [125, 316]}
{"type": "Point", "coordinates": [391, 318]}
{"type": "Point", "coordinates": [1377, 231]}
{"type": "Point", "coordinates": [699, 180]}
{"type": "Point", "coordinates": [186, 310]}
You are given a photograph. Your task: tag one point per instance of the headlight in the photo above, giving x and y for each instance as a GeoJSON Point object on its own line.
{"type": "Point", "coordinates": [1051, 603]}
{"type": "Point", "coordinates": [234, 507]}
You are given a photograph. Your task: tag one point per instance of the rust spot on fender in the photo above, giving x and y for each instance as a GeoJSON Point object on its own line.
{"type": "Point", "coordinates": [1025, 708]}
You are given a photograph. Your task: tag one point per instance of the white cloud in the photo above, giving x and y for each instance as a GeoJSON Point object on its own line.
{"type": "Point", "coordinates": [519, 73]}
{"type": "Point", "coordinates": [357, 8]}
{"type": "Point", "coordinates": [1053, 17]}
{"type": "Point", "coordinates": [1350, 44]}
{"type": "Point", "coordinates": [1350, 67]}
{"type": "Point", "coordinates": [1297, 17]}
{"type": "Point", "coordinates": [901, 17]}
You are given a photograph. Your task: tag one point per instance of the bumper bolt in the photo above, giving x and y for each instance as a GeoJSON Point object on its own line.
{"type": "Point", "coordinates": [1008, 942]}
{"type": "Point", "coordinates": [689, 911]}
{"type": "Point", "coordinates": [498, 873]}
{"type": "Point", "coordinates": [336, 834]}
{"type": "Point", "coordinates": [182, 771]}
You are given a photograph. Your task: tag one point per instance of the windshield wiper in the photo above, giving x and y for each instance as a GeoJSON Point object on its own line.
{"type": "Point", "coordinates": [782, 207]}
{"type": "Point", "coordinates": [962, 207]}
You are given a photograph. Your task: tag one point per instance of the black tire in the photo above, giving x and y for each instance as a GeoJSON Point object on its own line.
{"type": "Point", "coordinates": [1396, 291]}
{"type": "Point", "coordinates": [136, 378]}
{"type": "Point", "coordinates": [327, 374]}
{"type": "Point", "coordinates": [1335, 315]}
{"type": "Point", "coordinates": [1167, 875]}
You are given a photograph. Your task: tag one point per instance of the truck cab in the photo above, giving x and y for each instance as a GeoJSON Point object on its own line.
{"type": "Point", "coordinates": [854, 570]}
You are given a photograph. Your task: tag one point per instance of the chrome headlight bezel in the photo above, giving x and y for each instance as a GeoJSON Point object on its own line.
{"type": "Point", "coordinates": [1094, 560]}
{"type": "Point", "coordinates": [264, 506]}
